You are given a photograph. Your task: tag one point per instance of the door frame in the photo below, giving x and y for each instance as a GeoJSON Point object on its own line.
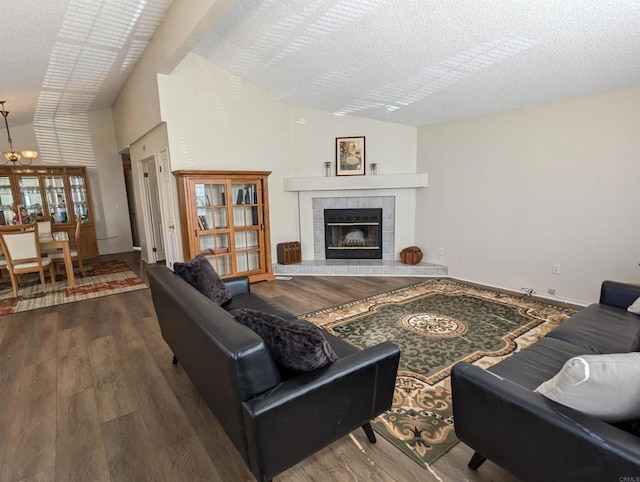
{"type": "Point", "coordinates": [149, 212]}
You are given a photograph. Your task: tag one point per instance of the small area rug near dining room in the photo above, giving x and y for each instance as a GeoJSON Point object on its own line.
{"type": "Point", "coordinates": [436, 323]}
{"type": "Point", "coordinates": [103, 278]}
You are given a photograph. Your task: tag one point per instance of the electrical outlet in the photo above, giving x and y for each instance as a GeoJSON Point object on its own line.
{"type": "Point", "coordinates": [551, 291]}
{"type": "Point", "coordinates": [555, 269]}
{"type": "Point", "coordinates": [440, 251]}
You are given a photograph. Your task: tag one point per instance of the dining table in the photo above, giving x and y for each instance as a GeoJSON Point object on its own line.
{"type": "Point", "coordinates": [60, 240]}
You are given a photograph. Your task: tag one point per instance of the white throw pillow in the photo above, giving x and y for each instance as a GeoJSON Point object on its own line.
{"type": "Point", "coordinates": [635, 307]}
{"type": "Point", "coordinates": [604, 386]}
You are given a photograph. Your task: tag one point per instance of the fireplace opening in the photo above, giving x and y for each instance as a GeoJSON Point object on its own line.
{"type": "Point", "coordinates": [353, 233]}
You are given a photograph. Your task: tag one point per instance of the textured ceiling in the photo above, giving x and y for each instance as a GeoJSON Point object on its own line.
{"type": "Point", "coordinates": [410, 61]}
{"type": "Point", "coordinates": [59, 57]}
{"type": "Point", "coordinates": [425, 61]}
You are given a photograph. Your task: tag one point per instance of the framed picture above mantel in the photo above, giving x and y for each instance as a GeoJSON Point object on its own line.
{"type": "Point", "coordinates": [350, 156]}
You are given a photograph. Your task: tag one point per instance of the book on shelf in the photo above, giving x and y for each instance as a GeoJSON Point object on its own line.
{"type": "Point", "coordinates": [240, 197]}
{"type": "Point", "coordinates": [223, 198]}
{"type": "Point", "coordinates": [220, 250]}
{"type": "Point", "coordinates": [206, 197]}
{"type": "Point", "coordinates": [202, 223]}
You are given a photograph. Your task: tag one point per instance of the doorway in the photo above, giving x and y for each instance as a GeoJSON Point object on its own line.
{"type": "Point", "coordinates": [153, 213]}
{"type": "Point", "coordinates": [131, 203]}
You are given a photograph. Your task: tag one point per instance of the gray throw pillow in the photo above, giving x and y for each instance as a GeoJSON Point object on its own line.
{"type": "Point", "coordinates": [604, 386]}
{"type": "Point", "coordinates": [300, 347]}
{"type": "Point", "coordinates": [200, 274]}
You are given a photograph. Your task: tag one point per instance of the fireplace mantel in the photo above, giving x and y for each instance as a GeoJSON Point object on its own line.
{"type": "Point", "coordinates": [341, 183]}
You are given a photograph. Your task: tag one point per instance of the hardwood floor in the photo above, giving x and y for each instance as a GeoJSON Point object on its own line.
{"type": "Point", "coordinates": [88, 392]}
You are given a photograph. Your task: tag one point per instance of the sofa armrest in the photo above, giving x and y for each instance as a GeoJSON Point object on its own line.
{"type": "Point", "coordinates": [238, 285]}
{"type": "Point", "coordinates": [308, 412]}
{"type": "Point", "coordinates": [533, 437]}
{"type": "Point", "coordinates": [619, 294]}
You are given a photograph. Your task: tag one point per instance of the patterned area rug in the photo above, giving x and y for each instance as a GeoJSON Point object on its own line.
{"type": "Point", "coordinates": [103, 278]}
{"type": "Point", "coordinates": [436, 323]}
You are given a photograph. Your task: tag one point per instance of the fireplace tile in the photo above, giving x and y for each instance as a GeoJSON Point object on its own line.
{"type": "Point", "coordinates": [329, 203]}
{"type": "Point", "coordinates": [361, 267]}
{"type": "Point", "coordinates": [388, 224]}
{"type": "Point", "coordinates": [353, 203]}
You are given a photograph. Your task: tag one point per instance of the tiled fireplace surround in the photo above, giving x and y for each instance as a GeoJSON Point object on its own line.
{"type": "Point", "coordinates": [388, 265]}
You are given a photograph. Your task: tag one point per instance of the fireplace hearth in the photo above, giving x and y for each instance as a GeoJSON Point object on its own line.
{"type": "Point", "coordinates": [353, 233]}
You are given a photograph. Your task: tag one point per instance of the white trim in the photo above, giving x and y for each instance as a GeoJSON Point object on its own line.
{"type": "Point", "coordinates": [335, 183]}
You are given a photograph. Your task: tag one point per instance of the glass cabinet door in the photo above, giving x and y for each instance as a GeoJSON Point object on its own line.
{"type": "Point", "coordinates": [79, 197]}
{"type": "Point", "coordinates": [7, 203]}
{"type": "Point", "coordinates": [247, 226]}
{"type": "Point", "coordinates": [213, 225]}
{"type": "Point", "coordinates": [56, 198]}
{"type": "Point", "coordinates": [31, 195]}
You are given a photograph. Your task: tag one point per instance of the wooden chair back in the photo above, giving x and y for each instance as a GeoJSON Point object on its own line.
{"type": "Point", "coordinates": [78, 233]}
{"type": "Point", "coordinates": [21, 246]}
{"type": "Point", "coordinates": [44, 227]}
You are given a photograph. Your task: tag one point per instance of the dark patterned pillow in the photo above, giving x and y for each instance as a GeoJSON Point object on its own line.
{"type": "Point", "coordinates": [300, 347]}
{"type": "Point", "coordinates": [200, 274]}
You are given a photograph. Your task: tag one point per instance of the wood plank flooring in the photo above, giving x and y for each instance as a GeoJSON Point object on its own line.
{"type": "Point", "coordinates": [88, 392]}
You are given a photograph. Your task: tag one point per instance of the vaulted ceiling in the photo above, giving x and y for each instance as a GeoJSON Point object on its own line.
{"type": "Point", "coordinates": [414, 62]}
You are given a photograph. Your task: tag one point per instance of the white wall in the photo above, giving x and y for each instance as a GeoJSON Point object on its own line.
{"type": "Point", "coordinates": [147, 146]}
{"type": "Point", "coordinates": [392, 147]}
{"type": "Point", "coordinates": [216, 120]}
{"type": "Point", "coordinates": [137, 109]}
{"type": "Point", "coordinates": [511, 194]}
{"type": "Point", "coordinates": [108, 191]}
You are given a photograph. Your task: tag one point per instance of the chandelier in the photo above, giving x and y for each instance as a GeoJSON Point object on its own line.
{"type": "Point", "coordinates": [12, 155]}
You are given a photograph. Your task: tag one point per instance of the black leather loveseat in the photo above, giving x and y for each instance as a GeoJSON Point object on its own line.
{"type": "Point", "coordinates": [498, 414]}
{"type": "Point", "coordinates": [274, 419]}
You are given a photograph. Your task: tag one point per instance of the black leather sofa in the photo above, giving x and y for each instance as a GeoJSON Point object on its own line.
{"type": "Point", "coordinates": [274, 419]}
{"type": "Point", "coordinates": [498, 414]}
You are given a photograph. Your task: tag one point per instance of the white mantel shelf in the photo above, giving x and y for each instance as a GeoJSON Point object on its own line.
{"type": "Point", "coordinates": [336, 183]}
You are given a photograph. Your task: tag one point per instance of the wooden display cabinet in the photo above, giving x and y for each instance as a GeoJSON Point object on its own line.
{"type": "Point", "coordinates": [58, 193]}
{"type": "Point", "coordinates": [224, 215]}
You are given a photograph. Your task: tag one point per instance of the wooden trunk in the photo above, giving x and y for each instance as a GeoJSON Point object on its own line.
{"type": "Point", "coordinates": [289, 253]}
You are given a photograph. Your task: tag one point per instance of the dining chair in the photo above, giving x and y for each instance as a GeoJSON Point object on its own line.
{"type": "Point", "coordinates": [58, 256]}
{"type": "Point", "coordinates": [22, 253]}
{"type": "Point", "coordinates": [44, 228]}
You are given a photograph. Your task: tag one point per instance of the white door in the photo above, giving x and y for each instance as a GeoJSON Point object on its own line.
{"type": "Point", "coordinates": [153, 208]}
{"type": "Point", "coordinates": [167, 195]}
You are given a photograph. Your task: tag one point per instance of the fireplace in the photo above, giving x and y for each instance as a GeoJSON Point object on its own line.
{"type": "Point", "coordinates": [353, 233]}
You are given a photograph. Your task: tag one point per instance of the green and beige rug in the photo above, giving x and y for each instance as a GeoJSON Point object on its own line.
{"type": "Point", "coordinates": [436, 323]}
{"type": "Point", "coordinates": [103, 278]}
